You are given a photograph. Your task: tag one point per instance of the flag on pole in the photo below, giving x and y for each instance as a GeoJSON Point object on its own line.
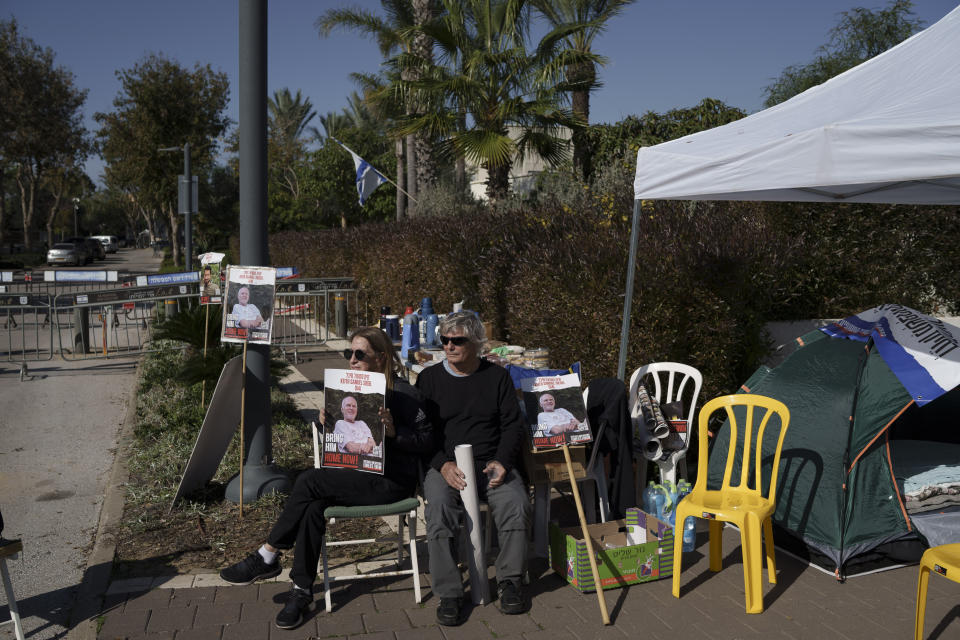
{"type": "Point", "coordinates": [368, 178]}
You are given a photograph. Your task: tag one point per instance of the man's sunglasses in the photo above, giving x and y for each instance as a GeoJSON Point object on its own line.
{"type": "Point", "coordinates": [359, 354]}
{"type": "Point", "coordinates": [458, 341]}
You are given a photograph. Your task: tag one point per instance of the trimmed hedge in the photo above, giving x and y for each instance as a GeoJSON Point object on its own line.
{"type": "Point", "coordinates": [552, 274]}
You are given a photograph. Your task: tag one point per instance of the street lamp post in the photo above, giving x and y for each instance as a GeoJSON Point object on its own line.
{"type": "Point", "coordinates": [76, 211]}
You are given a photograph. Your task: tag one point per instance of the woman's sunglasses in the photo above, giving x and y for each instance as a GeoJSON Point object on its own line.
{"type": "Point", "coordinates": [458, 341]}
{"type": "Point", "coordinates": [359, 354]}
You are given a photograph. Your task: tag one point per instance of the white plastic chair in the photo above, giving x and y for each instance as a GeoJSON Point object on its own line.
{"type": "Point", "coordinates": [406, 512]}
{"type": "Point", "coordinates": [595, 472]}
{"type": "Point", "coordinates": [666, 382]}
{"type": "Point", "coordinates": [10, 549]}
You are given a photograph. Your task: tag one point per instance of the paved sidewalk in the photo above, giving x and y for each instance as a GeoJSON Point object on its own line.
{"type": "Point", "coordinates": [804, 604]}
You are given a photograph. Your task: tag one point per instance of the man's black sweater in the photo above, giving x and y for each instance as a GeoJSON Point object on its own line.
{"type": "Point", "coordinates": [480, 409]}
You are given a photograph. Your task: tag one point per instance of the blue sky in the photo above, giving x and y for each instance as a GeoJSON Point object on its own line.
{"type": "Point", "coordinates": [663, 53]}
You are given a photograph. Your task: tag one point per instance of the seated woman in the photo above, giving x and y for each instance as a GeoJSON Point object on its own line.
{"type": "Point", "coordinates": [408, 435]}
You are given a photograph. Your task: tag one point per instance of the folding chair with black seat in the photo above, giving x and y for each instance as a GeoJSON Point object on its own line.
{"type": "Point", "coordinates": [406, 512]}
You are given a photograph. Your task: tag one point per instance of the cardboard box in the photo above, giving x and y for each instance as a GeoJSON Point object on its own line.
{"type": "Point", "coordinates": [618, 563]}
{"type": "Point", "coordinates": [549, 464]}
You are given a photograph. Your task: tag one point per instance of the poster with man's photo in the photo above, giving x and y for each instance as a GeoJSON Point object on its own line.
{"type": "Point", "coordinates": [210, 279]}
{"type": "Point", "coordinates": [352, 431]}
{"type": "Point", "coordinates": [555, 411]}
{"type": "Point", "coordinates": [249, 304]}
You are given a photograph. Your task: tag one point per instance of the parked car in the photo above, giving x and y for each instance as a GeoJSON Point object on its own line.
{"type": "Point", "coordinates": [94, 248]}
{"type": "Point", "coordinates": [67, 253]}
{"type": "Point", "coordinates": [110, 243]}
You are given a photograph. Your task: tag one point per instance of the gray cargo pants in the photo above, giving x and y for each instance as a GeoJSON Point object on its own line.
{"type": "Point", "coordinates": [511, 511]}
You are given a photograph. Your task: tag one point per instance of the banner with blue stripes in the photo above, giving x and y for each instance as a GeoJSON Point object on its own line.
{"type": "Point", "coordinates": [919, 349]}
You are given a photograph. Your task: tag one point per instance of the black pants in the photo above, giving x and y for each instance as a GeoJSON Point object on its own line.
{"type": "Point", "coordinates": [302, 520]}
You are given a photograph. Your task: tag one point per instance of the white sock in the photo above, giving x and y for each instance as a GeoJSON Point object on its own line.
{"type": "Point", "coordinates": [268, 556]}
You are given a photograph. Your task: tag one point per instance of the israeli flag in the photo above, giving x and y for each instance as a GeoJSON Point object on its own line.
{"type": "Point", "coordinates": [922, 351]}
{"type": "Point", "coordinates": [368, 178]}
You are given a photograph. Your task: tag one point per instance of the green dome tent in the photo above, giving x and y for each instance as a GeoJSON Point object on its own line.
{"type": "Point", "coordinates": [838, 500]}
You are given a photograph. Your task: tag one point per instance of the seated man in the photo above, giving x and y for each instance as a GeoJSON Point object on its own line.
{"type": "Point", "coordinates": [472, 401]}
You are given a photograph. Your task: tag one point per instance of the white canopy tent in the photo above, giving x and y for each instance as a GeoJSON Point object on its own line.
{"type": "Point", "coordinates": [886, 131]}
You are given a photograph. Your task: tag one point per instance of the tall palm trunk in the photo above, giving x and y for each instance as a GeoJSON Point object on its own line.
{"type": "Point", "coordinates": [401, 181]}
{"type": "Point", "coordinates": [460, 171]}
{"type": "Point", "coordinates": [585, 76]}
{"type": "Point", "coordinates": [426, 169]}
{"type": "Point", "coordinates": [411, 172]}
{"type": "Point", "coordinates": [498, 181]}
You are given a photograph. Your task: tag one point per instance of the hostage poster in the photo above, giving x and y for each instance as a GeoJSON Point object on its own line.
{"type": "Point", "coordinates": [352, 430]}
{"type": "Point", "coordinates": [210, 280]}
{"type": "Point", "coordinates": [249, 305]}
{"type": "Point", "coordinates": [555, 411]}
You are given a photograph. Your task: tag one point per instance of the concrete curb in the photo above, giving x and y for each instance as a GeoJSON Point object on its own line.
{"type": "Point", "coordinates": [96, 577]}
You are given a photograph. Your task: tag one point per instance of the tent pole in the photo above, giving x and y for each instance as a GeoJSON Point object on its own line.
{"type": "Point", "coordinates": [628, 294]}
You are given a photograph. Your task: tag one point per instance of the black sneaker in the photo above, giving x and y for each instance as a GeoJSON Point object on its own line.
{"type": "Point", "coordinates": [251, 569]}
{"type": "Point", "coordinates": [512, 600]}
{"type": "Point", "coordinates": [292, 614]}
{"type": "Point", "coordinates": [450, 612]}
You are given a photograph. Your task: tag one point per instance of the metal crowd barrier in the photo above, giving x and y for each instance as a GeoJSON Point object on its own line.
{"type": "Point", "coordinates": [113, 322]}
{"type": "Point", "coordinates": [85, 323]}
{"type": "Point", "coordinates": [27, 334]}
{"type": "Point", "coordinates": [310, 311]}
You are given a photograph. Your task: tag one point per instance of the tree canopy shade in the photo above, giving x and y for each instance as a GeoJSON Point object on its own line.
{"type": "Point", "coordinates": [859, 35]}
{"type": "Point", "coordinates": [486, 72]}
{"type": "Point", "coordinates": [397, 33]}
{"type": "Point", "coordinates": [40, 120]}
{"type": "Point", "coordinates": [287, 123]}
{"type": "Point", "coordinates": [586, 19]}
{"type": "Point", "coordinates": [161, 104]}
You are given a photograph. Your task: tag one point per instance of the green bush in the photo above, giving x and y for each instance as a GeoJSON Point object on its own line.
{"type": "Point", "coordinates": [551, 273]}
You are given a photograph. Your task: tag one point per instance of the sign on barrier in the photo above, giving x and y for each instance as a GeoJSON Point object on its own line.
{"type": "Point", "coordinates": [168, 278]}
{"type": "Point", "coordinates": [110, 322]}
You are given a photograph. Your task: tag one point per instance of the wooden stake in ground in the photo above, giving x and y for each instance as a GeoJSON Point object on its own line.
{"type": "Point", "coordinates": [586, 537]}
{"type": "Point", "coordinates": [206, 335]}
{"type": "Point", "coordinates": [243, 402]}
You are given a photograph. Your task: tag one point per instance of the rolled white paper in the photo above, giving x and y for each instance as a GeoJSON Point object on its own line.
{"type": "Point", "coordinates": [479, 586]}
{"type": "Point", "coordinates": [652, 447]}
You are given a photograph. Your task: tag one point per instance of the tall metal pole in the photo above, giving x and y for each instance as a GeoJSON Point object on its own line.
{"type": "Point", "coordinates": [260, 475]}
{"type": "Point", "coordinates": [628, 298]}
{"type": "Point", "coordinates": [188, 189]}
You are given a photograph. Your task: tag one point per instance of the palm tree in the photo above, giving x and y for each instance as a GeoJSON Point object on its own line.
{"type": "Point", "coordinates": [333, 124]}
{"type": "Point", "coordinates": [579, 70]}
{"type": "Point", "coordinates": [289, 116]}
{"type": "Point", "coordinates": [490, 76]}
{"type": "Point", "coordinates": [396, 33]}
{"type": "Point", "coordinates": [288, 119]}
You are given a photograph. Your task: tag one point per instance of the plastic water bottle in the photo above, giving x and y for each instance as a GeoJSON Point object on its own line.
{"type": "Point", "coordinates": [659, 501]}
{"type": "Point", "coordinates": [690, 524]}
{"type": "Point", "coordinates": [690, 534]}
{"type": "Point", "coordinates": [646, 499]}
{"type": "Point", "coordinates": [432, 321]}
{"type": "Point", "coordinates": [411, 336]}
{"type": "Point", "coordinates": [668, 512]}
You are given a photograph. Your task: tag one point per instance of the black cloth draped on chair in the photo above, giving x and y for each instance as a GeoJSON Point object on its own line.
{"type": "Point", "coordinates": [607, 404]}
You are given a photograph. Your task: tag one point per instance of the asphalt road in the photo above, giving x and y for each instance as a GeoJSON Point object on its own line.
{"type": "Point", "coordinates": [59, 430]}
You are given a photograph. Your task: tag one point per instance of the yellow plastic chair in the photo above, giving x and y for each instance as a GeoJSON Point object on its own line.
{"type": "Point", "coordinates": [745, 504]}
{"type": "Point", "coordinates": [944, 560]}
